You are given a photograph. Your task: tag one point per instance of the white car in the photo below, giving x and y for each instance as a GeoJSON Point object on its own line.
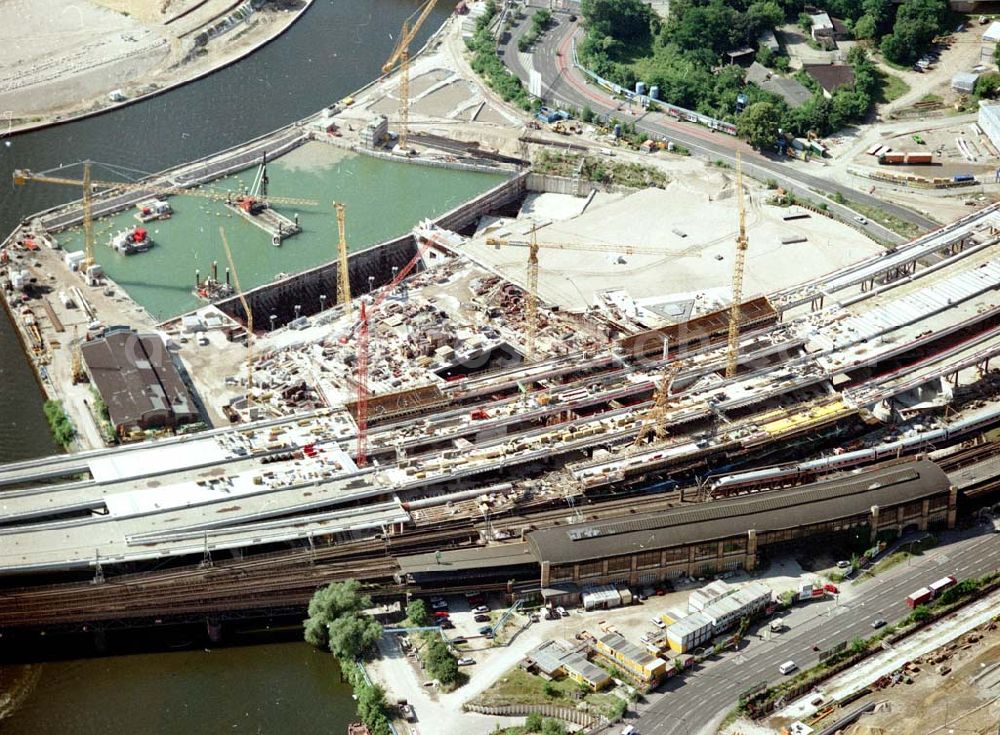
{"type": "Point", "coordinates": [658, 623]}
{"type": "Point", "coordinates": [466, 661]}
{"type": "Point", "coordinates": [861, 220]}
{"type": "Point", "coordinates": [630, 730]}
{"type": "Point", "coordinates": [562, 611]}
{"type": "Point", "coordinates": [480, 610]}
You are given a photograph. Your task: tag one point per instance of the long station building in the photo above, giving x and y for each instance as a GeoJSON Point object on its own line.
{"type": "Point", "coordinates": [707, 539]}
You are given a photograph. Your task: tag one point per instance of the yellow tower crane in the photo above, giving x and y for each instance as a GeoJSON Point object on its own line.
{"type": "Point", "coordinates": [531, 298]}
{"type": "Point", "coordinates": [401, 56]}
{"type": "Point", "coordinates": [88, 184]}
{"type": "Point", "coordinates": [655, 419]}
{"type": "Point", "coordinates": [249, 312]}
{"type": "Point", "coordinates": [343, 271]}
{"type": "Point", "coordinates": [742, 243]}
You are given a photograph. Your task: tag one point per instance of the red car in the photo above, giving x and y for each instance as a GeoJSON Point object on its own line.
{"type": "Point", "coordinates": [440, 614]}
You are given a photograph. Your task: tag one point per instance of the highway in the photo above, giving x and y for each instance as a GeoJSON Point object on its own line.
{"type": "Point", "coordinates": [693, 703]}
{"type": "Point", "coordinates": [562, 83]}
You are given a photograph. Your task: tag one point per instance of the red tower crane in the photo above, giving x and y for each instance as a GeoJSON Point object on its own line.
{"type": "Point", "coordinates": [361, 377]}
{"type": "Point", "coordinates": [362, 385]}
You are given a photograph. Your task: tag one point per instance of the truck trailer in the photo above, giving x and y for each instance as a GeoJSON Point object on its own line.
{"type": "Point", "coordinates": [919, 597]}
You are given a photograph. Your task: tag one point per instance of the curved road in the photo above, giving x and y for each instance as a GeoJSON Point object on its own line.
{"type": "Point", "coordinates": [552, 58]}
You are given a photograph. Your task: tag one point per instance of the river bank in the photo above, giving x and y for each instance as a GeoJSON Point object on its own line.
{"type": "Point", "coordinates": [60, 88]}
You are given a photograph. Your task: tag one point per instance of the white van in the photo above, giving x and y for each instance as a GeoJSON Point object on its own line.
{"type": "Point", "coordinates": [787, 667]}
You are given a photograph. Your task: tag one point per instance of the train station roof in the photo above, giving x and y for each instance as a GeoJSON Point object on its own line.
{"type": "Point", "coordinates": [820, 502]}
{"type": "Point", "coordinates": [474, 561]}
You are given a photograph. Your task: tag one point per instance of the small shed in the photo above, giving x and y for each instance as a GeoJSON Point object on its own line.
{"type": "Point", "coordinates": [964, 81]}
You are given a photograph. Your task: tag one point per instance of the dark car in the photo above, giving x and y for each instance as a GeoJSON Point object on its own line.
{"type": "Point", "coordinates": [878, 623]}
{"type": "Point", "coordinates": [486, 629]}
{"type": "Point", "coordinates": [446, 624]}
{"type": "Point", "coordinates": [482, 618]}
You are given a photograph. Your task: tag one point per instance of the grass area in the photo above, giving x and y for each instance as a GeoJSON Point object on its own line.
{"type": "Point", "coordinates": [519, 687]}
{"type": "Point", "coordinates": [932, 98]}
{"type": "Point", "coordinates": [601, 171]}
{"type": "Point", "coordinates": [889, 221]}
{"type": "Point", "coordinates": [892, 87]}
{"type": "Point", "coordinates": [59, 424]}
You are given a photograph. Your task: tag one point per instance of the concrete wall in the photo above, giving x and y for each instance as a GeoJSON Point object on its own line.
{"type": "Point", "coordinates": [304, 289]}
{"type": "Point", "coordinates": [559, 185]}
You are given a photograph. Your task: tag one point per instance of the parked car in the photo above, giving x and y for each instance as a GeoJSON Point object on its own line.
{"type": "Point", "coordinates": [562, 611]}
{"type": "Point", "coordinates": [481, 609]}
{"type": "Point", "coordinates": [441, 614]}
{"type": "Point", "coordinates": [439, 605]}
{"type": "Point", "coordinates": [458, 641]}
{"type": "Point", "coordinates": [446, 624]}
{"type": "Point", "coordinates": [658, 623]}
{"type": "Point", "coordinates": [486, 629]}
{"type": "Point", "coordinates": [843, 564]}
{"type": "Point", "coordinates": [436, 598]}
{"type": "Point", "coordinates": [466, 661]}
{"type": "Point", "coordinates": [482, 618]}
{"type": "Point", "coordinates": [878, 623]}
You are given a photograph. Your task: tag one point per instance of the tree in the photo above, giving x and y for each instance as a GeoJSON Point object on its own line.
{"type": "Point", "coordinates": [550, 690]}
{"type": "Point", "coordinates": [988, 85]}
{"type": "Point", "coordinates": [553, 727]}
{"type": "Point", "coordinates": [759, 125]}
{"type": "Point", "coordinates": [625, 20]}
{"type": "Point", "coordinates": [371, 703]}
{"type": "Point", "coordinates": [418, 614]}
{"type": "Point", "coordinates": [865, 28]}
{"type": "Point", "coordinates": [921, 614]}
{"type": "Point", "coordinates": [352, 634]}
{"type": "Point", "coordinates": [329, 603]}
{"type": "Point", "coordinates": [533, 723]}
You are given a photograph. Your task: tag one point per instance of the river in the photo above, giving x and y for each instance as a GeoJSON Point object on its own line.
{"type": "Point", "coordinates": [337, 47]}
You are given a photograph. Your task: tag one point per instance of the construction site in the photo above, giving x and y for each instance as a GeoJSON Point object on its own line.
{"type": "Point", "coordinates": [541, 388]}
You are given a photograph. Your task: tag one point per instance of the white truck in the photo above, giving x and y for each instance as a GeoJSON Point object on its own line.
{"type": "Point", "coordinates": [777, 625]}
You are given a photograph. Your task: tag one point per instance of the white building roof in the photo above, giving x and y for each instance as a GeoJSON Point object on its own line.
{"type": "Point", "coordinates": [992, 34]}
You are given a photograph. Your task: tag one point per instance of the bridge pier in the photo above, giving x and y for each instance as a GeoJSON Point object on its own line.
{"type": "Point", "coordinates": [213, 629]}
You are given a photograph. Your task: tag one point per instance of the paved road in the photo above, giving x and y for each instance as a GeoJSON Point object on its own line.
{"type": "Point", "coordinates": [561, 82]}
{"type": "Point", "coordinates": [693, 704]}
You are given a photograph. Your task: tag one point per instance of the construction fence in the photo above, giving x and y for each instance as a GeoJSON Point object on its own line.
{"type": "Point", "coordinates": [578, 717]}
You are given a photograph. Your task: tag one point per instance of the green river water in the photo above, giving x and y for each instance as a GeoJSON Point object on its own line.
{"type": "Point", "coordinates": [383, 199]}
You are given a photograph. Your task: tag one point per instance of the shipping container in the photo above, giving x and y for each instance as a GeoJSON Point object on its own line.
{"type": "Point", "coordinates": [941, 585]}
{"type": "Point", "coordinates": [919, 597]}
{"type": "Point", "coordinates": [919, 158]}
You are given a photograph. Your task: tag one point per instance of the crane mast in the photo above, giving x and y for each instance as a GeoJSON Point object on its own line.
{"type": "Point", "coordinates": [401, 56]}
{"type": "Point", "coordinates": [249, 312]}
{"type": "Point", "coordinates": [343, 269]}
{"type": "Point", "coordinates": [735, 311]}
{"type": "Point", "coordinates": [531, 303]}
{"type": "Point", "coordinates": [362, 386]}
{"type": "Point", "coordinates": [88, 219]}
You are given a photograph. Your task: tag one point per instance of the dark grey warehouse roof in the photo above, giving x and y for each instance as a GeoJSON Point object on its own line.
{"type": "Point", "coordinates": [137, 378]}
{"type": "Point", "coordinates": [815, 503]}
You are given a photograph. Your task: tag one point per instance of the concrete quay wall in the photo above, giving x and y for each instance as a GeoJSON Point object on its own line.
{"type": "Point", "coordinates": [304, 289]}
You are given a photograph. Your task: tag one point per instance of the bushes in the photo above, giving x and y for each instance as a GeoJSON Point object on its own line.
{"type": "Point", "coordinates": [487, 64]}
{"type": "Point", "coordinates": [59, 423]}
{"type": "Point", "coordinates": [337, 621]}
{"type": "Point", "coordinates": [440, 662]}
